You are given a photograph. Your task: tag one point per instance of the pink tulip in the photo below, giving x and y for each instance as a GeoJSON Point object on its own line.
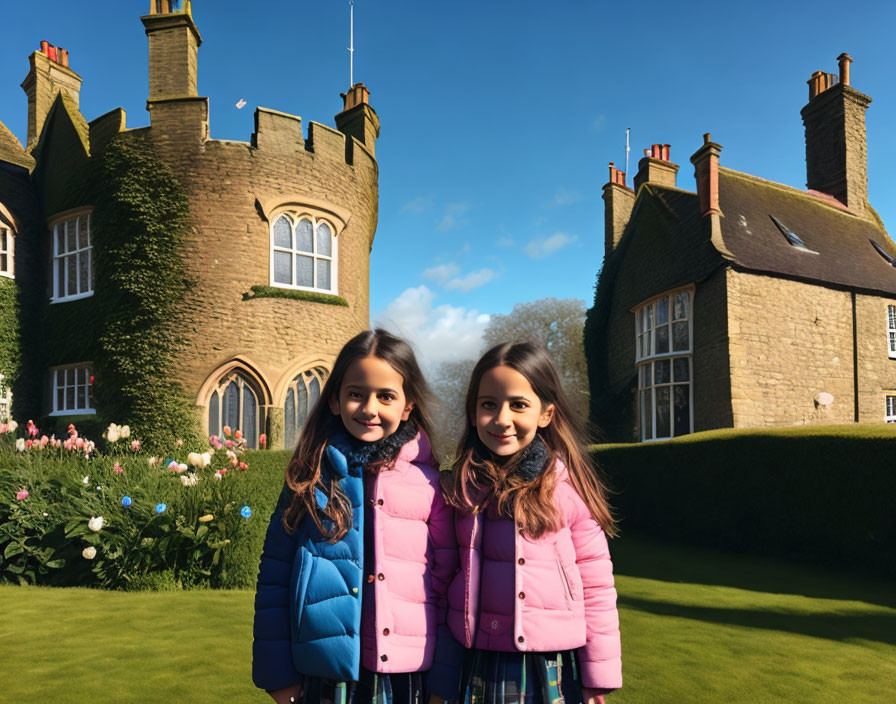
{"type": "Point", "coordinates": [228, 443]}
{"type": "Point", "coordinates": [135, 445]}
{"type": "Point", "coordinates": [244, 466]}
{"type": "Point", "coordinates": [263, 440]}
{"type": "Point", "coordinates": [118, 469]}
{"type": "Point", "coordinates": [22, 495]}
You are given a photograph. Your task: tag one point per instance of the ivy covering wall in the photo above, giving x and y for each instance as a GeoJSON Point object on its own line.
{"type": "Point", "coordinates": [139, 226]}
{"type": "Point", "coordinates": [9, 333]}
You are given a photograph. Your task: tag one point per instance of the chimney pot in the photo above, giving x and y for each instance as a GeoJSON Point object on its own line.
{"type": "Point", "coordinates": [646, 152]}
{"type": "Point", "coordinates": [844, 60]}
{"type": "Point", "coordinates": [45, 47]}
{"type": "Point", "coordinates": [707, 138]}
{"type": "Point", "coordinates": [666, 152]}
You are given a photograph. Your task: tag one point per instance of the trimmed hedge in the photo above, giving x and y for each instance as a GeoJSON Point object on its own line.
{"type": "Point", "coordinates": [822, 494]}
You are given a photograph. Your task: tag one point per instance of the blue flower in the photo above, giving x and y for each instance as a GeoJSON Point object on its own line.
{"type": "Point", "coordinates": [160, 508]}
{"type": "Point", "coordinates": [245, 512]}
{"type": "Point", "coordinates": [126, 501]}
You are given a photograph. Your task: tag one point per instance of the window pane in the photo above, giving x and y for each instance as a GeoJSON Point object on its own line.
{"type": "Point", "coordinates": [282, 268]}
{"type": "Point", "coordinates": [649, 319]}
{"type": "Point", "coordinates": [60, 398]}
{"type": "Point", "coordinates": [72, 274]}
{"type": "Point", "coordinates": [82, 396]}
{"type": "Point", "coordinates": [304, 233]}
{"type": "Point", "coordinates": [891, 315]}
{"type": "Point", "coordinates": [640, 346]}
{"type": "Point", "coordinates": [682, 304]}
{"type": "Point", "coordinates": [682, 409]}
{"type": "Point", "coordinates": [313, 392]}
{"type": "Point", "coordinates": [324, 239]}
{"type": "Point", "coordinates": [289, 419]}
{"type": "Point", "coordinates": [323, 274]}
{"type": "Point", "coordinates": [639, 322]}
{"type": "Point", "coordinates": [304, 271]}
{"type": "Point", "coordinates": [231, 414]}
{"type": "Point", "coordinates": [661, 371]}
{"type": "Point", "coordinates": [214, 414]}
{"type": "Point", "coordinates": [647, 347]}
{"type": "Point", "coordinates": [893, 342]}
{"type": "Point", "coordinates": [250, 418]}
{"type": "Point", "coordinates": [301, 403]}
{"type": "Point", "coordinates": [4, 266]}
{"type": "Point", "coordinates": [60, 278]}
{"type": "Point", "coordinates": [647, 415]}
{"type": "Point", "coordinates": [71, 243]}
{"type": "Point", "coordinates": [69, 398]}
{"type": "Point", "coordinates": [83, 240]}
{"type": "Point", "coordinates": [84, 271]}
{"type": "Point", "coordinates": [680, 336]}
{"type": "Point", "coordinates": [663, 418]}
{"type": "Point", "coordinates": [681, 369]}
{"type": "Point", "coordinates": [662, 339]}
{"type": "Point", "coordinates": [283, 233]}
{"type": "Point", "coordinates": [662, 311]}
{"type": "Point", "coordinates": [70, 377]}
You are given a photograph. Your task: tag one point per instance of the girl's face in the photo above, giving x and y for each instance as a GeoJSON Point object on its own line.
{"type": "Point", "coordinates": [508, 411]}
{"type": "Point", "coordinates": [371, 400]}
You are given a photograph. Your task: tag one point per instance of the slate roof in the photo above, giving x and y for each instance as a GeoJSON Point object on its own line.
{"type": "Point", "coordinates": [841, 241]}
{"type": "Point", "coordinates": [11, 151]}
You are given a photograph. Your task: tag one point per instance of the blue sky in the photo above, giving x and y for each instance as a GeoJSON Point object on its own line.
{"type": "Point", "coordinates": [498, 118]}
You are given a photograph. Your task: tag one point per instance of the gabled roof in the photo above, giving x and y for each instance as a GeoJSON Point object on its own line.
{"type": "Point", "coordinates": [842, 240]}
{"type": "Point", "coordinates": [11, 151]}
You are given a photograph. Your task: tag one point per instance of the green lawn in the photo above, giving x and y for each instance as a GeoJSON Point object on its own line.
{"type": "Point", "coordinates": [698, 626]}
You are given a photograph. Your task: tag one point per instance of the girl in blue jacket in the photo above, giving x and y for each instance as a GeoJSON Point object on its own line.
{"type": "Point", "coordinates": [360, 549]}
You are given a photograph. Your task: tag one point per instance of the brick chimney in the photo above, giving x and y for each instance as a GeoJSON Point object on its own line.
{"type": "Point", "coordinates": [357, 118]}
{"type": "Point", "coordinates": [173, 49]}
{"type": "Point", "coordinates": [836, 146]}
{"type": "Point", "coordinates": [706, 172]}
{"type": "Point", "coordinates": [49, 74]}
{"type": "Point", "coordinates": [655, 167]}
{"type": "Point", "coordinates": [619, 200]}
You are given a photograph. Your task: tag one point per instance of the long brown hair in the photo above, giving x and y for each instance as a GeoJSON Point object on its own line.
{"type": "Point", "coordinates": [477, 480]}
{"type": "Point", "coordinates": [303, 474]}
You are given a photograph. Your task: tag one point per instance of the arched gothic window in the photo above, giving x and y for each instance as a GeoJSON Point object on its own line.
{"type": "Point", "coordinates": [301, 395]}
{"type": "Point", "coordinates": [303, 253]}
{"type": "Point", "coordinates": [234, 402]}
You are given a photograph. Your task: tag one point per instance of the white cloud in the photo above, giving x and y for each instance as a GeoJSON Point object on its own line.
{"type": "Point", "coordinates": [438, 332]}
{"type": "Point", "coordinates": [474, 279]}
{"type": "Point", "coordinates": [442, 273]}
{"type": "Point", "coordinates": [505, 242]}
{"type": "Point", "coordinates": [539, 248]}
{"type": "Point", "coordinates": [417, 205]}
{"type": "Point", "coordinates": [565, 197]}
{"type": "Point", "coordinates": [447, 223]}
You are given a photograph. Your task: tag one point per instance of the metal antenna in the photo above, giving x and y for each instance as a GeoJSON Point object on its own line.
{"type": "Point", "coordinates": [351, 48]}
{"type": "Point", "coordinates": [627, 147]}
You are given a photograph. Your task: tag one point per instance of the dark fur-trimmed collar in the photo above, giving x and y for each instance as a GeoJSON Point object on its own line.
{"type": "Point", "coordinates": [532, 461]}
{"type": "Point", "coordinates": [366, 453]}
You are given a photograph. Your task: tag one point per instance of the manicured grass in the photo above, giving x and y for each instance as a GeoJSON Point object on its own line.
{"type": "Point", "coordinates": [698, 626]}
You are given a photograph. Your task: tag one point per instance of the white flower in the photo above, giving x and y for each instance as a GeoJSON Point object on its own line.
{"type": "Point", "coordinates": [20, 444]}
{"type": "Point", "coordinates": [231, 454]}
{"type": "Point", "coordinates": [113, 432]}
{"type": "Point", "coordinates": [181, 467]}
{"type": "Point", "coordinates": [218, 475]}
{"type": "Point", "coordinates": [125, 431]}
{"type": "Point", "coordinates": [95, 523]}
{"type": "Point", "coordinates": [189, 479]}
{"type": "Point", "coordinates": [88, 553]}
{"type": "Point", "coordinates": [46, 514]}
{"type": "Point", "coordinates": [85, 481]}
{"type": "Point", "coordinates": [206, 459]}
{"type": "Point", "coordinates": [194, 459]}
{"type": "Point", "coordinates": [12, 425]}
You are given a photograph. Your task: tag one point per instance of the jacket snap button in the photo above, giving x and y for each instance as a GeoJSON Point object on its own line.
{"type": "Point", "coordinates": [522, 561]}
{"type": "Point", "coordinates": [369, 578]}
{"type": "Point", "coordinates": [379, 502]}
{"type": "Point", "coordinates": [521, 639]}
{"type": "Point", "coordinates": [381, 576]}
{"type": "Point", "coordinates": [495, 625]}
{"type": "Point", "coordinates": [522, 595]}
{"type": "Point", "coordinates": [384, 657]}
{"type": "Point", "coordinates": [385, 631]}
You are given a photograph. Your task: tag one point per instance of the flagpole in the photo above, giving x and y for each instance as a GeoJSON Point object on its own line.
{"type": "Point", "coordinates": [351, 48]}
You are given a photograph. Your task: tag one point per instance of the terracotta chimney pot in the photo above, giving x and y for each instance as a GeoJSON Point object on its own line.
{"type": "Point", "coordinates": [844, 60]}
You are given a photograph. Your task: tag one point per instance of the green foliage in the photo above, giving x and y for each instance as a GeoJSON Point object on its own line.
{"type": "Point", "coordinates": [43, 535]}
{"type": "Point", "coordinates": [274, 292]}
{"type": "Point", "coordinates": [140, 223]}
{"type": "Point", "coordinates": [819, 494]}
{"type": "Point", "coordinates": [9, 329]}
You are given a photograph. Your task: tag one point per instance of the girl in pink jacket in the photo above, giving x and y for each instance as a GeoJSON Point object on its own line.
{"type": "Point", "coordinates": [534, 600]}
{"type": "Point", "coordinates": [360, 550]}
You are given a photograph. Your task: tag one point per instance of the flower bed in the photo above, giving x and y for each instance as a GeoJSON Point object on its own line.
{"type": "Point", "coordinates": [73, 513]}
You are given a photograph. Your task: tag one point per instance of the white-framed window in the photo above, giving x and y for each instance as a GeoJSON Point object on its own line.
{"type": "Point", "coordinates": [664, 359]}
{"type": "Point", "coordinates": [73, 389]}
{"type": "Point", "coordinates": [303, 253]}
{"type": "Point", "coordinates": [234, 403]}
{"type": "Point", "coordinates": [72, 259]}
{"type": "Point", "coordinates": [7, 244]}
{"type": "Point", "coordinates": [891, 331]}
{"type": "Point", "coordinates": [5, 401]}
{"type": "Point", "coordinates": [301, 395]}
{"type": "Point", "coordinates": [890, 413]}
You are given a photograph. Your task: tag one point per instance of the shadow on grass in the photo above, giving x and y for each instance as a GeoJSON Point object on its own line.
{"type": "Point", "coordinates": [873, 626]}
{"type": "Point", "coordinates": [639, 556]}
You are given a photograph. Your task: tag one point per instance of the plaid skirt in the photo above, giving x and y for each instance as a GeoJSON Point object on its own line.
{"type": "Point", "coordinates": [371, 688]}
{"type": "Point", "coordinates": [492, 677]}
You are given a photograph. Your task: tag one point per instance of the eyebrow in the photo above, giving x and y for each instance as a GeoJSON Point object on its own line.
{"type": "Point", "coordinates": [365, 388]}
{"type": "Point", "coordinates": [512, 398]}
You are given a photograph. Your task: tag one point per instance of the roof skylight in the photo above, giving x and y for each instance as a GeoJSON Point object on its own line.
{"type": "Point", "coordinates": [792, 238]}
{"type": "Point", "coordinates": [891, 260]}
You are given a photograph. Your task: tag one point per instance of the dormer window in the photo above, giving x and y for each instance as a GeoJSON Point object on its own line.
{"type": "Point", "coordinates": [6, 252]}
{"type": "Point", "coordinates": [303, 253]}
{"type": "Point", "coordinates": [792, 238]}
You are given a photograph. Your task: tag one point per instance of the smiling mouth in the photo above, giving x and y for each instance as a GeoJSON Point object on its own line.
{"type": "Point", "coordinates": [367, 425]}
{"type": "Point", "coordinates": [502, 437]}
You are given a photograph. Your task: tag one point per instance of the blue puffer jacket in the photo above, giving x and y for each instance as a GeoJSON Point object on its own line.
{"type": "Point", "coordinates": [319, 612]}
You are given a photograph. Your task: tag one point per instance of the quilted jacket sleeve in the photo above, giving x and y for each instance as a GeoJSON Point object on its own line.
{"type": "Point", "coordinates": [272, 666]}
{"type": "Point", "coordinates": [444, 676]}
{"type": "Point", "coordinates": [600, 659]}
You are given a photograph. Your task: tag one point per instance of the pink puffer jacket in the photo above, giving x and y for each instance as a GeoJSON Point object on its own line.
{"type": "Point", "coordinates": [415, 557]}
{"type": "Point", "coordinates": [546, 595]}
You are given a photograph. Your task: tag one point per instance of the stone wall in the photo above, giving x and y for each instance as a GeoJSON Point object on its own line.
{"type": "Point", "coordinates": [877, 372]}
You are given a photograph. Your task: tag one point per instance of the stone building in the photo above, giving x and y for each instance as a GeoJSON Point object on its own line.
{"type": "Point", "coordinates": [282, 227]}
{"type": "Point", "coordinates": [747, 303]}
